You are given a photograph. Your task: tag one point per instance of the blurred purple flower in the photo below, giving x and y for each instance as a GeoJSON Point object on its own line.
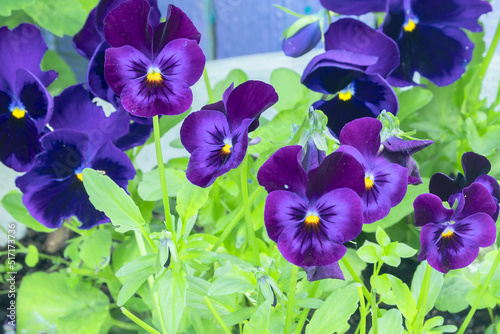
{"type": "Point", "coordinates": [451, 237]}
{"type": "Point", "coordinates": [354, 7]}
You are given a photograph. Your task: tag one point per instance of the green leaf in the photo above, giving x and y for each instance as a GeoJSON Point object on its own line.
{"type": "Point", "coordinates": [333, 315]}
{"type": "Point", "coordinates": [7, 6]}
{"type": "Point", "coordinates": [108, 197]}
{"type": "Point", "coordinates": [149, 188]}
{"type": "Point", "coordinates": [258, 323]}
{"type": "Point", "coordinates": [412, 100]}
{"type": "Point", "coordinates": [370, 252]}
{"type": "Point", "coordinates": [313, 303]}
{"type": "Point", "coordinates": [405, 251]}
{"type": "Point", "coordinates": [391, 322]}
{"type": "Point", "coordinates": [95, 250]}
{"type": "Point", "coordinates": [31, 259]}
{"type": "Point", "coordinates": [290, 90]}
{"type": "Point", "coordinates": [190, 199]}
{"type": "Point", "coordinates": [403, 298]}
{"type": "Point", "coordinates": [172, 292]}
{"type": "Point", "coordinates": [13, 204]}
{"type": "Point", "coordinates": [484, 143]}
{"type": "Point", "coordinates": [384, 288]}
{"type": "Point", "coordinates": [146, 262]}
{"type": "Point", "coordinates": [382, 237]}
{"type": "Point", "coordinates": [435, 285]}
{"type": "Point", "coordinates": [238, 316]}
{"type": "Point", "coordinates": [54, 303]}
{"type": "Point", "coordinates": [236, 76]}
{"type": "Point", "coordinates": [231, 283]}
{"type": "Point", "coordinates": [167, 123]}
{"type": "Point", "coordinates": [65, 77]}
{"type": "Point", "coordinates": [131, 285]}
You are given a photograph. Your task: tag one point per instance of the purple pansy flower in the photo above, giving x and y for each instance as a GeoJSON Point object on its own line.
{"type": "Point", "coordinates": [217, 135]}
{"type": "Point", "coordinates": [25, 104]}
{"type": "Point", "coordinates": [400, 151]}
{"type": "Point", "coordinates": [451, 237]}
{"type": "Point", "coordinates": [354, 7]}
{"type": "Point", "coordinates": [356, 60]}
{"type": "Point", "coordinates": [311, 213]}
{"type": "Point", "coordinates": [303, 40]}
{"type": "Point", "coordinates": [385, 182]}
{"type": "Point", "coordinates": [151, 67]}
{"type": "Point", "coordinates": [476, 168]}
{"type": "Point", "coordinates": [430, 39]}
{"type": "Point", "coordinates": [53, 189]}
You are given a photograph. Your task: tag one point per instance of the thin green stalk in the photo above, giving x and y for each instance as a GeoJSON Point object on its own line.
{"type": "Point", "coordinates": [481, 294]}
{"type": "Point", "coordinates": [123, 325]}
{"type": "Point", "coordinates": [211, 98]}
{"type": "Point", "coordinates": [138, 321]}
{"type": "Point", "coordinates": [422, 300]}
{"type": "Point", "coordinates": [151, 280]}
{"type": "Point", "coordinates": [72, 228]}
{"type": "Point", "coordinates": [216, 316]}
{"type": "Point", "coordinates": [374, 314]}
{"type": "Point", "coordinates": [305, 312]}
{"type": "Point", "coordinates": [491, 52]}
{"type": "Point", "coordinates": [235, 220]}
{"type": "Point", "coordinates": [248, 218]}
{"type": "Point", "coordinates": [291, 300]}
{"type": "Point", "coordinates": [148, 239]}
{"type": "Point", "coordinates": [362, 311]}
{"type": "Point", "coordinates": [357, 279]}
{"type": "Point", "coordinates": [20, 245]}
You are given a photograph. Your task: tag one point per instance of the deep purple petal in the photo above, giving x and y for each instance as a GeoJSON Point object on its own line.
{"type": "Point", "coordinates": [178, 25]}
{"type": "Point", "coordinates": [376, 94]}
{"type": "Point", "coordinates": [358, 7]}
{"type": "Point", "coordinates": [313, 157]}
{"type": "Point", "coordinates": [479, 228]}
{"type": "Point", "coordinates": [474, 165]}
{"type": "Point", "coordinates": [249, 100]}
{"type": "Point", "coordinates": [280, 210]}
{"type": "Point", "coordinates": [87, 40]}
{"type": "Point", "coordinates": [114, 163]}
{"type": "Point", "coordinates": [302, 41]}
{"type": "Point", "coordinates": [203, 128]}
{"type": "Point", "coordinates": [396, 144]}
{"type": "Point", "coordinates": [318, 273]}
{"type": "Point", "coordinates": [137, 135]}
{"type": "Point", "coordinates": [443, 186]}
{"type": "Point", "coordinates": [95, 72]}
{"type": "Point", "coordinates": [128, 24]}
{"type": "Point", "coordinates": [283, 171]}
{"type": "Point", "coordinates": [105, 6]}
{"type": "Point", "coordinates": [395, 18]}
{"type": "Point", "coordinates": [364, 135]}
{"type": "Point", "coordinates": [356, 37]}
{"type": "Point", "coordinates": [476, 199]}
{"type": "Point", "coordinates": [458, 13]}
{"type": "Point", "coordinates": [429, 209]}
{"type": "Point", "coordinates": [491, 184]}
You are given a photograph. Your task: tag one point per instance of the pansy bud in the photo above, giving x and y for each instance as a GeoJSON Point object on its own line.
{"type": "Point", "coordinates": [302, 36]}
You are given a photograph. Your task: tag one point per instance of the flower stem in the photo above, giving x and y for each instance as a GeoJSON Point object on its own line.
{"type": "Point", "coordinates": [362, 311]}
{"type": "Point", "coordinates": [291, 300]}
{"type": "Point", "coordinates": [248, 218]}
{"type": "Point", "coordinates": [138, 321]}
{"type": "Point", "coordinates": [211, 98]}
{"type": "Point", "coordinates": [161, 171]}
{"type": "Point", "coordinates": [481, 294]}
{"type": "Point", "coordinates": [305, 312]}
{"type": "Point", "coordinates": [123, 325]}
{"type": "Point", "coordinates": [357, 279]}
{"type": "Point", "coordinates": [422, 299]}
{"type": "Point", "coordinates": [216, 315]}
{"type": "Point", "coordinates": [151, 280]}
{"type": "Point", "coordinates": [374, 313]}
{"type": "Point", "coordinates": [235, 220]}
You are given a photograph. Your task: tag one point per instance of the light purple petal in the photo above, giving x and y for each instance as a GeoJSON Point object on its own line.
{"type": "Point", "coordinates": [477, 199]}
{"type": "Point", "coordinates": [479, 228]}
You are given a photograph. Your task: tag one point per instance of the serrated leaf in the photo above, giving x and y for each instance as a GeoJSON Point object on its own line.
{"type": "Point", "coordinates": [13, 204]}
{"type": "Point", "coordinates": [108, 197]}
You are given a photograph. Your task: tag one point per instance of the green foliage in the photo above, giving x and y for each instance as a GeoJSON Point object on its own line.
{"type": "Point", "coordinates": [259, 322]}
{"type": "Point", "coordinates": [390, 322]}
{"type": "Point", "coordinates": [13, 204]}
{"type": "Point", "coordinates": [236, 76]}
{"type": "Point", "coordinates": [32, 256]}
{"type": "Point", "coordinates": [65, 75]}
{"type": "Point", "coordinates": [95, 249]}
{"type": "Point", "coordinates": [7, 6]}
{"type": "Point", "coordinates": [172, 289]}
{"type": "Point", "coordinates": [150, 187]}
{"type": "Point", "coordinates": [190, 199]}
{"type": "Point", "coordinates": [435, 285]}
{"type": "Point", "coordinates": [167, 123]}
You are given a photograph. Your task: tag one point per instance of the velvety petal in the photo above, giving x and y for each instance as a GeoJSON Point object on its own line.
{"type": "Point", "coordinates": [407, 161]}
{"type": "Point", "coordinates": [354, 36]}
{"type": "Point", "coordinates": [477, 199]}
{"type": "Point", "coordinates": [364, 135]}
{"type": "Point", "coordinates": [225, 97]}
{"type": "Point", "coordinates": [333, 70]}
{"type": "Point", "coordinates": [312, 157]}
{"type": "Point", "coordinates": [394, 20]}
{"type": "Point", "coordinates": [95, 72]}
{"type": "Point", "coordinates": [474, 165]}
{"type": "Point", "coordinates": [396, 144]}
{"type": "Point", "coordinates": [249, 100]}
{"type": "Point", "coordinates": [87, 40]}
{"type": "Point", "coordinates": [458, 13]}
{"type": "Point", "coordinates": [376, 94]}
{"type": "Point", "coordinates": [127, 24]}
{"type": "Point", "coordinates": [338, 170]}
{"type": "Point", "coordinates": [283, 209]}
{"type": "Point", "coordinates": [318, 273]}
{"type": "Point", "coordinates": [479, 228]}
{"type": "Point", "coordinates": [443, 186]}
{"type": "Point", "coordinates": [429, 208]}
{"type": "Point", "coordinates": [302, 41]}
{"type": "Point", "coordinates": [105, 6]}
{"type": "Point", "coordinates": [114, 163]}
{"type": "Point", "coordinates": [23, 47]}
{"type": "Point", "coordinates": [491, 184]}
{"type": "Point", "coordinates": [177, 25]}
{"type": "Point", "coordinates": [357, 7]}
{"type": "Point", "coordinates": [204, 127]}
{"type": "Point", "coordinates": [75, 110]}
{"type": "Point", "coordinates": [283, 171]}
{"type": "Point", "coordinates": [19, 142]}
{"type": "Point", "coordinates": [137, 135]}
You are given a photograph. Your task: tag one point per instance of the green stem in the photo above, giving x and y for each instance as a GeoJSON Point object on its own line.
{"type": "Point", "coordinates": [151, 280]}
{"type": "Point", "coordinates": [235, 220]}
{"type": "Point", "coordinates": [248, 218]}
{"type": "Point", "coordinates": [291, 300]}
{"type": "Point", "coordinates": [161, 171]}
{"type": "Point", "coordinates": [357, 279]}
{"type": "Point", "coordinates": [20, 245]}
{"type": "Point", "coordinates": [305, 312]}
{"type": "Point", "coordinates": [491, 52]}
{"type": "Point", "coordinates": [374, 314]}
{"type": "Point", "coordinates": [216, 315]}
{"type": "Point", "coordinates": [211, 98]}
{"type": "Point", "coordinates": [362, 311]}
{"type": "Point", "coordinates": [138, 321]}
{"type": "Point", "coordinates": [422, 300]}
{"type": "Point", "coordinates": [148, 239]}
{"type": "Point", "coordinates": [72, 228]}
{"type": "Point", "coordinates": [484, 287]}
{"type": "Point", "coordinates": [123, 325]}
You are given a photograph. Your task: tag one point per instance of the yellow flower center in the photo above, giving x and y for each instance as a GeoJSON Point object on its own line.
{"type": "Point", "coordinates": [154, 77]}
{"type": "Point", "coordinates": [447, 233]}
{"type": "Point", "coordinates": [410, 26]}
{"type": "Point", "coordinates": [226, 149]}
{"type": "Point", "coordinates": [368, 183]}
{"type": "Point", "coordinates": [18, 113]}
{"type": "Point", "coordinates": [345, 96]}
{"type": "Point", "coordinates": [312, 220]}
{"type": "Point", "coordinates": [80, 177]}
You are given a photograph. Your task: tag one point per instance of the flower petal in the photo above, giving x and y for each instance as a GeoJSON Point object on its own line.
{"type": "Point", "coordinates": [204, 127]}
{"type": "Point", "coordinates": [364, 135]}
{"type": "Point", "coordinates": [476, 199]}
{"type": "Point", "coordinates": [474, 165]}
{"type": "Point", "coordinates": [281, 210]}
{"type": "Point", "coordinates": [429, 209]}
{"type": "Point", "coordinates": [303, 41]}
{"type": "Point", "coordinates": [114, 163]}
{"type": "Point", "coordinates": [105, 6]}
{"type": "Point", "coordinates": [96, 72]}
{"type": "Point", "coordinates": [479, 228]}
{"type": "Point", "coordinates": [87, 40]}
{"type": "Point", "coordinates": [318, 273]}
{"type": "Point", "coordinates": [443, 186]}
{"type": "Point", "coordinates": [357, 7]}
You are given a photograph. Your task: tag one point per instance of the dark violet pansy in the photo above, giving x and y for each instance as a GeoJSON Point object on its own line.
{"type": "Point", "coordinates": [150, 67]}
{"type": "Point", "coordinates": [400, 151]}
{"type": "Point", "coordinates": [311, 214]}
{"type": "Point", "coordinates": [354, 7]}
{"type": "Point", "coordinates": [25, 104]}
{"type": "Point", "coordinates": [217, 135]}
{"type": "Point", "coordinates": [356, 60]}
{"type": "Point", "coordinates": [451, 238]}
{"type": "Point", "coordinates": [430, 37]}
{"type": "Point", "coordinates": [303, 40]}
{"type": "Point", "coordinates": [476, 167]}
{"type": "Point", "coordinates": [385, 183]}
{"type": "Point", "coordinates": [53, 189]}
